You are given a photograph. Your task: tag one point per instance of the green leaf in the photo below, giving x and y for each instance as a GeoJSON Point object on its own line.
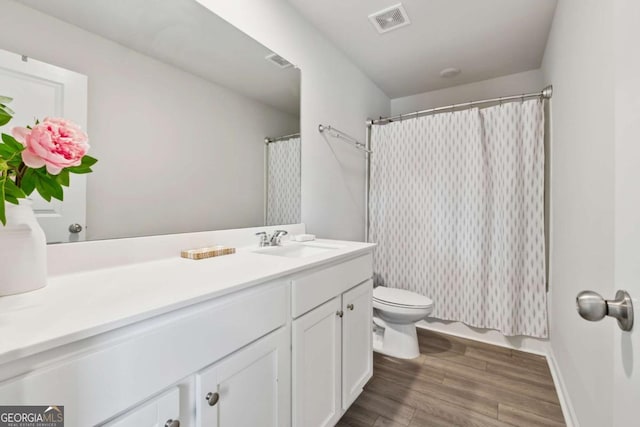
{"type": "Point", "coordinates": [12, 143]}
{"type": "Point", "coordinates": [11, 189]}
{"type": "Point", "coordinates": [6, 152]}
{"type": "Point", "coordinates": [88, 161]}
{"type": "Point", "coordinates": [5, 118]}
{"type": "Point", "coordinates": [79, 169]}
{"type": "Point", "coordinates": [48, 187]}
{"type": "Point", "coordinates": [11, 199]}
{"type": "Point", "coordinates": [63, 177]}
{"type": "Point", "coordinates": [3, 218]}
{"type": "Point", "coordinates": [42, 190]}
{"type": "Point", "coordinates": [5, 99]}
{"type": "Point", "coordinates": [7, 109]}
{"type": "Point", "coordinates": [28, 182]}
{"type": "Point", "coordinates": [15, 161]}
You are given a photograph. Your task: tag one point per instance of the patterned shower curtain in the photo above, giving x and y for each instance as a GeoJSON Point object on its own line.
{"type": "Point", "coordinates": [283, 182]}
{"type": "Point", "coordinates": [457, 210]}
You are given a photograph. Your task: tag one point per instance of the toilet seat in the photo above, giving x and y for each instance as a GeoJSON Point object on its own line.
{"type": "Point", "coordinates": [400, 298]}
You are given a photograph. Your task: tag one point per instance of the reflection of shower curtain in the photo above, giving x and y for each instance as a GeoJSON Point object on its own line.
{"type": "Point", "coordinates": [283, 182]}
{"type": "Point", "coordinates": [457, 208]}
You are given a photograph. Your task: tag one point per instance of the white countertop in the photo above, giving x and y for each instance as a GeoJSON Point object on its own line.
{"type": "Point", "coordinates": [76, 306]}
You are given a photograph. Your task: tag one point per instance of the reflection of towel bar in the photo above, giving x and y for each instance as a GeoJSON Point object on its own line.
{"type": "Point", "coordinates": [341, 135]}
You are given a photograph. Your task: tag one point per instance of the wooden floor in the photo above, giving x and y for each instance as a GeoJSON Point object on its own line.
{"type": "Point", "coordinates": [457, 382]}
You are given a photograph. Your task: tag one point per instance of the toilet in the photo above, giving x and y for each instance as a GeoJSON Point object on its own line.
{"type": "Point", "coordinates": [395, 313]}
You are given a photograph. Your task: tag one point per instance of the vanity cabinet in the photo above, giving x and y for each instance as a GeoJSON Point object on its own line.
{"type": "Point", "coordinates": [332, 357]}
{"type": "Point", "coordinates": [248, 388]}
{"type": "Point", "coordinates": [295, 349]}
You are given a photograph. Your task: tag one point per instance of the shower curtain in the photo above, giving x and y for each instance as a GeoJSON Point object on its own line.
{"type": "Point", "coordinates": [283, 182]}
{"type": "Point", "coordinates": [457, 210]}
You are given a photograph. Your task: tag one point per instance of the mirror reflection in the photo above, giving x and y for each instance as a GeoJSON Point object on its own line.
{"type": "Point", "coordinates": [178, 105]}
{"type": "Point", "coordinates": [283, 180]}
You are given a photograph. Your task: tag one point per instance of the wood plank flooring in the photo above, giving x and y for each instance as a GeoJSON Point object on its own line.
{"type": "Point", "coordinates": [457, 382]}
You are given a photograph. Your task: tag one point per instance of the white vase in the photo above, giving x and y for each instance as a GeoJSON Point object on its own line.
{"type": "Point", "coordinates": [23, 251]}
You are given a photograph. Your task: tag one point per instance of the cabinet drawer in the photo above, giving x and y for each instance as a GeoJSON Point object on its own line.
{"type": "Point", "coordinates": [96, 386]}
{"type": "Point", "coordinates": [316, 288]}
{"type": "Point", "coordinates": [156, 412]}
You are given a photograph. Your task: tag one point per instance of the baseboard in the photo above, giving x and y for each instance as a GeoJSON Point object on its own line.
{"type": "Point", "coordinates": [569, 413]}
{"type": "Point", "coordinates": [457, 329]}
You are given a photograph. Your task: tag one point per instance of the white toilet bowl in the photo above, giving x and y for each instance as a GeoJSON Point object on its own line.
{"type": "Point", "coordinates": [397, 311]}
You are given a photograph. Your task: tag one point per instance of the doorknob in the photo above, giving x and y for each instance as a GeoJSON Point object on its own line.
{"type": "Point", "coordinates": [75, 228]}
{"type": "Point", "coordinates": [593, 307]}
{"type": "Point", "coordinates": [172, 423]}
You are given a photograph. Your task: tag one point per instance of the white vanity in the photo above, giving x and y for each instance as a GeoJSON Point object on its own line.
{"type": "Point", "coordinates": [257, 338]}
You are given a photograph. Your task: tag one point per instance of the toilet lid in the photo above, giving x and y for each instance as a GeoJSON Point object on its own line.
{"type": "Point", "coordinates": [400, 297]}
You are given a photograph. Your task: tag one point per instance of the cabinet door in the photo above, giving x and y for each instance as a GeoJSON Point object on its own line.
{"type": "Point", "coordinates": [155, 413]}
{"type": "Point", "coordinates": [316, 366]}
{"type": "Point", "coordinates": [249, 388]}
{"type": "Point", "coordinates": [357, 351]}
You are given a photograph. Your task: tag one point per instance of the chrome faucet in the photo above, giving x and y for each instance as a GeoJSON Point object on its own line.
{"type": "Point", "coordinates": [273, 240]}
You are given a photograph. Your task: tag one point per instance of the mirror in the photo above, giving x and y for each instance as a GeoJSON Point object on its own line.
{"type": "Point", "coordinates": [195, 125]}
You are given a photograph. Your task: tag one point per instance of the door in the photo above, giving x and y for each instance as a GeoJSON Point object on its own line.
{"type": "Point", "coordinates": [316, 366]}
{"type": "Point", "coordinates": [41, 90]}
{"type": "Point", "coordinates": [249, 388]}
{"type": "Point", "coordinates": [626, 393]}
{"type": "Point", "coordinates": [357, 350]}
{"type": "Point", "coordinates": [159, 412]}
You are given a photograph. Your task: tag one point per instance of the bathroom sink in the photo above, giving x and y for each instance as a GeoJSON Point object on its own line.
{"type": "Point", "coordinates": [297, 250]}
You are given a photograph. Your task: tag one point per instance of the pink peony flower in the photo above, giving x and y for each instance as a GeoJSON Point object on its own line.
{"type": "Point", "coordinates": [54, 143]}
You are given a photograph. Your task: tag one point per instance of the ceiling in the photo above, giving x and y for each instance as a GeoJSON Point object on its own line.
{"type": "Point", "coordinates": [186, 35]}
{"type": "Point", "coordinates": [483, 38]}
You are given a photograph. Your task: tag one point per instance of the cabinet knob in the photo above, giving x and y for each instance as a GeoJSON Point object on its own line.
{"type": "Point", "coordinates": [350, 307]}
{"type": "Point", "coordinates": [212, 398]}
{"type": "Point", "coordinates": [339, 313]}
{"type": "Point", "coordinates": [172, 423]}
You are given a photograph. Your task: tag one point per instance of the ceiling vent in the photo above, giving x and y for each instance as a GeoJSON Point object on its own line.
{"type": "Point", "coordinates": [390, 18]}
{"type": "Point", "coordinates": [278, 60]}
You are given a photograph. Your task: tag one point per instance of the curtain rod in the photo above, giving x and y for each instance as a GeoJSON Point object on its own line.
{"type": "Point", "coordinates": [268, 140]}
{"type": "Point", "coordinates": [341, 135]}
{"type": "Point", "coordinates": [545, 93]}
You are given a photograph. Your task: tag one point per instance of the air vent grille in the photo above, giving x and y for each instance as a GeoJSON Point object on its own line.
{"type": "Point", "coordinates": [390, 18]}
{"type": "Point", "coordinates": [278, 60]}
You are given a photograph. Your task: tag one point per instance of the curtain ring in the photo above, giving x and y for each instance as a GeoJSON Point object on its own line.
{"type": "Point", "coordinates": [500, 101]}
{"type": "Point", "coordinates": [522, 99]}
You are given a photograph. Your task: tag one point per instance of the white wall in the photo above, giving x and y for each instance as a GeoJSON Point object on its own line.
{"type": "Point", "coordinates": [177, 153]}
{"type": "Point", "coordinates": [513, 84]}
{"type": "Point", "coordinates": [334, 92]}
{"type": "Point", "coordinates": [577, 62]}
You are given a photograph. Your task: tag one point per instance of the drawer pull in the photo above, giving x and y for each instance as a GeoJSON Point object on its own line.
{"type": "Point", "coordinates": [350, 307]}
{"type": "Point", "coordinates": [172, 423]}
{"type": "Point", "coordinates": [339, 313]}
{"type": "Point", "coordinates": [212, 398]}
